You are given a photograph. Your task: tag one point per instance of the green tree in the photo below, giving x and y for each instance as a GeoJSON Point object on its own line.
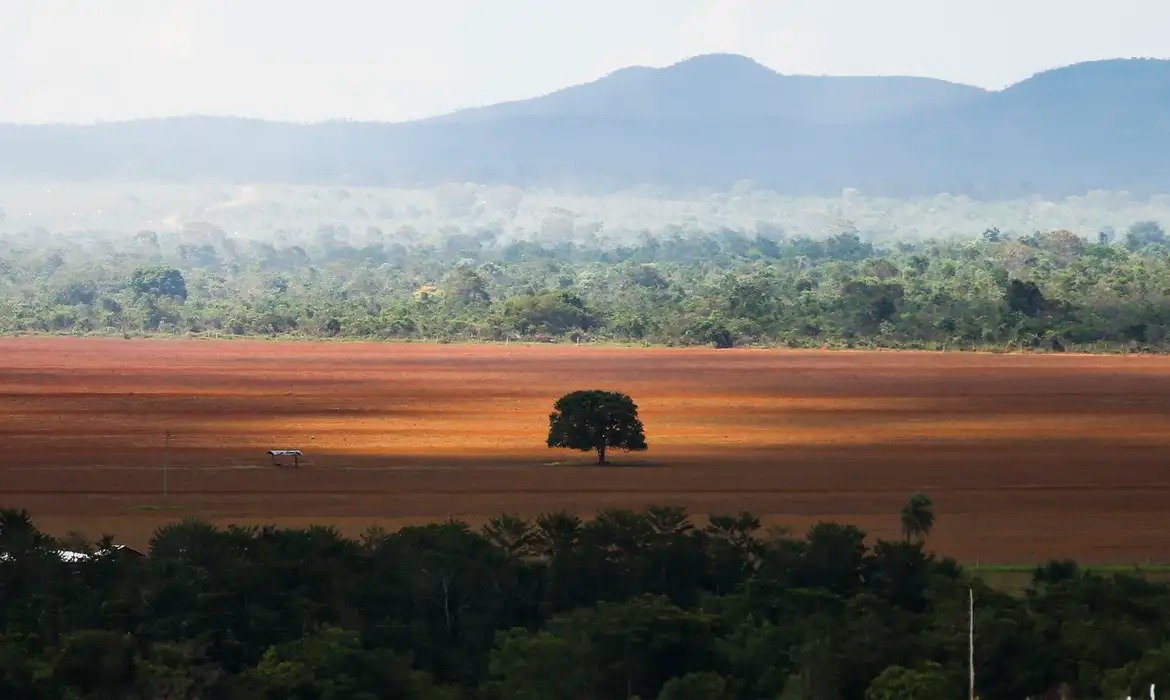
{"type": "Point", "coordinates": [511, 534]}
{"type": "Point", "coordinates": [23, 672]}
{"type": "Point", "coordinates": [159, 281]}
{"type": "Point", "coordinates": [1025, 298]}
{"type": "Point", "coordinates": [867, 303]}
{"type": "Point", "coordinates": [332, 665]}
{"type": "Point", "coordinates": [596, 420]}
{"type": "Point", "coordinates": [710, 331]}
{"type": "Point", "coordinates": [1144, 233]}
{"type": "Point", "coordinates": [1135, 678]}
{"type": "Point", "coordinates": [466, 286]}
{"type": "Point", "coordinates": [18, 534]}
{"type": "Point", "coordinates": [556, 533]}
{"type": "Point", "coordinates": [833, 558]}
{"type": "Point", "coordinates": [555, 312]}
{"type": "Point", "coordinates": [704, 685]}
{"type": "Point", "coordinates": [98, 663]}
{"type": "Point", "coordinates": [917, 517]}
{"type": "Point", "coordinates": [930, 682]}
{"type": "Point", "coordinates": [647, 276]}
{"type": "Point", "coordinates": [539, 666]}
{"type": "Point", "coordinates": [634, 647]}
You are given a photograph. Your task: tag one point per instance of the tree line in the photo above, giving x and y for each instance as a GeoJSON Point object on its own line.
{"type": "Point", "coordinates": [650, 604]}
{"type": "Point", "coordinates": [1050, 290]}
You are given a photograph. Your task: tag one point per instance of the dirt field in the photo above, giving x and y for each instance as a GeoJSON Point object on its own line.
{"type": "Point", "coordinates": [1027, 457]}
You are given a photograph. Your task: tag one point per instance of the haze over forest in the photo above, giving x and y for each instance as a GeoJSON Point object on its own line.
{"type": "Point", "coordinates": [714, 142]}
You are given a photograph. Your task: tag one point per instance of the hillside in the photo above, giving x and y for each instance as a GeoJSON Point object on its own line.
{"type": "Point", "coordinates": [729, 87]}
{"type": "Point", "coordinates": [707, 121]}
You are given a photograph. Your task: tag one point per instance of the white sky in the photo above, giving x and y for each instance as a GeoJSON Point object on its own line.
{"type": "Point", "coordinates": [307, 60]}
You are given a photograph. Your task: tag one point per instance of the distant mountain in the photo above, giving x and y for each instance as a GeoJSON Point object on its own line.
{"type": "Point", "coordinates": [720, 87]}
{"type": "Point", "coordinates": [707, 121]}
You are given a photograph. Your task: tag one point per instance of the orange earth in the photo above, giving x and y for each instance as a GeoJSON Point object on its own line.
{"type": "Point", "coordinates": [1027, 457]}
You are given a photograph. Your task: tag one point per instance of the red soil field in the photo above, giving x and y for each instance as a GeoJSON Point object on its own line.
{"type": "Point", "coordinates": [1027, 457]}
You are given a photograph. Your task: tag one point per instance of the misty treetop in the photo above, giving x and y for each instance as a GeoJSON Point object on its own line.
{"type": "Point", "coordinates": [302, 215]}
{"type": "Point", "coordinates": [1049, 290]}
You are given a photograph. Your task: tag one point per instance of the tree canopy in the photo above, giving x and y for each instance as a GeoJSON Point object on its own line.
{"type": "Point", "coordinates": [617, 604]}
{"type": "Point", "coordinates": [917, 517]}
{"type": "Point", "coordinates": [596, 420]}
{"type": "Point", "coordinates": [1048, 290]}
{"type": "Point", "coordinates": [159, 281]}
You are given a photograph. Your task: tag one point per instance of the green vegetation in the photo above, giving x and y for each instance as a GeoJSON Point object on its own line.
{"type": "Point", "coordinates": [917, 517]}
{"type": "Point", "coordinates": [596, 420]}
{"type": "Point", "coordinates": [628, 604]}
{"type": "Point", "coordinates": [1049, 291]}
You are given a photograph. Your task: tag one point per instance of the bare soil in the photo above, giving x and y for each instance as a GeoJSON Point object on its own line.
{"type": "Point", "coordinates": [1028, 457]}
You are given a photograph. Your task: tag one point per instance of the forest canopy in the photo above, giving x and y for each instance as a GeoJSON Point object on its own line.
{"type": "Point", "coordinates": [1048, 290]}
{"type": "Point", "coordinates": [651, 604]}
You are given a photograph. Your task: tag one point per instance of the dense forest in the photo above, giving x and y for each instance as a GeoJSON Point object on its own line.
{"type": "Point", "coordinates": [1051, 290]}
{"type": "Point", "coordinates": [624, 605]}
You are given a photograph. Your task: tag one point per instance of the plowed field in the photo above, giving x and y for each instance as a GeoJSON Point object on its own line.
{"type": "Point", "coordinates": [1026, 457]}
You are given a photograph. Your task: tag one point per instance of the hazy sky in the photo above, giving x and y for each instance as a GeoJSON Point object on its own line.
{"type": "Point", "coordinates": [85, 60]}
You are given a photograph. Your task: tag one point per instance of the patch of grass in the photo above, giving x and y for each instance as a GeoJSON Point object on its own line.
{"type": "Point", "coordinates": [153, 507]}
{"type": "Point", "coordinates": [1000, 568]}
{"type": "Point", "coordinates": [1016, 578]}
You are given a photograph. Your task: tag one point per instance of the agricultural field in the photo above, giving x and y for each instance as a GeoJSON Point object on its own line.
{"type": "Point", "coordinates": [1027, 457]}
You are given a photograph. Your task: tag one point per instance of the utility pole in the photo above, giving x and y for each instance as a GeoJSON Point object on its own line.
{"type": "Point", "coordinates": [166, 466]}
{"type": "Point", "coordinates": [971, 643]}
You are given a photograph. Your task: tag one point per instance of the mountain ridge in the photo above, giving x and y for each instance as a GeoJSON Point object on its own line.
{"type": "Point", "coordinates": [707, 121]}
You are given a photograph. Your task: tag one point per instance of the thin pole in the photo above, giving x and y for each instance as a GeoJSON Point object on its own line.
{"type": "Point", "coordinates": [166, 465]}
{"type": "Point", "coordinates": [971, 643]}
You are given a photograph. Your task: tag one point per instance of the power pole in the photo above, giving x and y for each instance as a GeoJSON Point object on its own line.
{"type": "Point", "coordinates": [971, 643]}
{"type": "Point", "coordinates": [166, 466]}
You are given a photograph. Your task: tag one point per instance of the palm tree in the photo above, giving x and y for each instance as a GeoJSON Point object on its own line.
{"type": "Point", "coordinates": [18, 533]}
{"type": "Point", "coordinates": [555, 533]}
{"type": "Point", "coordinates": [917, 517]}
{"type": "Point", "coordinates": [510, 533]}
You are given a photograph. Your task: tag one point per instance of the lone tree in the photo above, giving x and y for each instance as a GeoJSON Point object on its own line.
{"type": "Point", "coordinates": [917, 517]}
{"type": "Point", "coordinates": [596, 420]}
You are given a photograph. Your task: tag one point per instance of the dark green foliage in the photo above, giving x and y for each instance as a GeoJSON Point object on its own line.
{"type": "Point", "coordinates": [867, 304]}
{"type": "Point", "coordinates": [1135, 678]}
{"type": "Point", "coordinates": [553, 313]}
{"type": "Point", "coordinates": [332, 665]}
{"type": "Point", "coordinates": [596, 420]}
{"type": "Point", "coordinates": [18, 535]}
{"type": "Point", "coordinates": [465, 285]}
{"type": "Point", "coordinates": [709, 331]}
{"type": "Point", "coordinates": [931, 682]}
{"type": "Point", "coordinates": [159, 282]}
{"type": "Point", "coordinates": [1044, 291]}
{"type": "Point", "coordinates": [832, 558]}
{"type": "Point", "coordinates": [623, 604]}
{"type": "Point", "coordinates": [98, 663]}
{"type": "Point", "coordinates": [1025, 298]}
{"type": "Point", "coordinates": [704, 685]}
{"type": "Point", "coordinates": [917, 517]}
{"type": "Point", "coordinates": [648, 276]}
{"type": "Point", "coordinates": [538, 666]}
{"type": "Point", "coordinates": [634, 647]}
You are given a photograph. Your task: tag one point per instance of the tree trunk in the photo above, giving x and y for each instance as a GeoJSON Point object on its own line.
{"type": "Point", "coordinates": [601, 454]}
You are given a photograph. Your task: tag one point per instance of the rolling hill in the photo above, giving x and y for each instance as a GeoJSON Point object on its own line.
{"type": "Point", "coordinates": [708, 121]}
